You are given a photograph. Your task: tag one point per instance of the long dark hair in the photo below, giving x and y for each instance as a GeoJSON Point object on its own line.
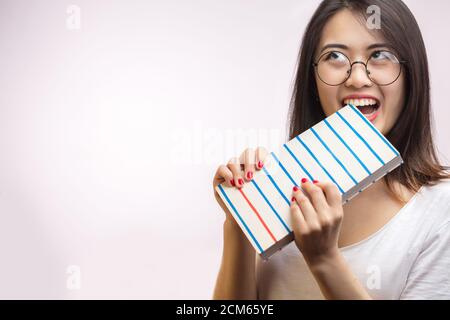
{"type": "Point", "coordinates": [411, 134]}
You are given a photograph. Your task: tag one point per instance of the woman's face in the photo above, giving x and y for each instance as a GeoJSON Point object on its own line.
{"type": "Point", "coordinates": [354, 39]}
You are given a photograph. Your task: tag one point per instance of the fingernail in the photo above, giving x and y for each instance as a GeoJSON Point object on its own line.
{"type": "Point", "coordinates": [232, 182]}
{"type": "Point", "coordinates": [249, 175]}
{"type": "Point", "coordinates": [315, 181]}
{"type": "Point", "coordinates": [241, 182]}
{"type": "Point", "coordinates": [304, 180]}
{"type": "Point", "coordinates": [260, 164]}
{"type": "Point", "coordinates": [293, 199]}
{"type": "Point", "coordinates": [295, 188]}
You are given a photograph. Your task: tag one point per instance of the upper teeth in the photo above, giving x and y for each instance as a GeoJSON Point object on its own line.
{"type": "Point", "coordinates": [360, 102]}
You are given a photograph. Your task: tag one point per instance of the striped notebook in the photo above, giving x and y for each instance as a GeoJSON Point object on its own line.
{"type": "Point", "coordinates": [344, 148]}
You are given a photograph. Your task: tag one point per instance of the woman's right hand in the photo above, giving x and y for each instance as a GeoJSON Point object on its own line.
{"type": "Point", "coordinates": [238, 171]}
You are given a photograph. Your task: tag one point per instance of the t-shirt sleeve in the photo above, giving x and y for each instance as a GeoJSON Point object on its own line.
{"type": "Point", "coordinates": [429, 277]}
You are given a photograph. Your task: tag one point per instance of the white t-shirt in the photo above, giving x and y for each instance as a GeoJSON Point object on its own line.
{"type": "Point", "coordinates": [408, 258]}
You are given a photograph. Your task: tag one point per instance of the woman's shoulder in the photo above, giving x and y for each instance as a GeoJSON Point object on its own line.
{"type": "Point", "coordinates": [436, 202]}
{"type": "Point", "coordinates": [439, 189]}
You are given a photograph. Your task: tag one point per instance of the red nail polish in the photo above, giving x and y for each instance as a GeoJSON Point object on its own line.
{"type": "Point", "coordinates": [315, 181]}
{"type": "Point", "coordinates": [304, 180]}
{"type": "Point", "coordinates": [232, 182]}
{"type": "Point", "coordinates": [241, 182]}
{"type": "Point", "coordinates": [293, 199]}
{"type": "Point", "coordinates": [260, 164]}
{"type": "Point", "coordinates": [295, 188]}
{"type": "Point", "coordinates": [249, 175]}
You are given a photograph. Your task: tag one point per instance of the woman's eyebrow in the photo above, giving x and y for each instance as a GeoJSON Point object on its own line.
{"type": "Point", "coordinates": [343, 46]}
{"type": "Point", "coordinates": [378, 45]}
{"type": "Point", "coordinates": [334, 45]}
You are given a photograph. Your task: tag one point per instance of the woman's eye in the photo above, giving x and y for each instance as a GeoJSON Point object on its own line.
{"type": "Point", "coordinates": [335, 56]}
{"type": "Point", "coordinates": [380, 55]}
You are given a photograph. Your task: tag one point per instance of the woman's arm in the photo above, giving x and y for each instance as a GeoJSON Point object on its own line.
{"type": "Point", "coordinates": [336, 280]}
{"type": "Point", "coordinates": [316, 218]}
{"type": "Point", "coordinates": [237, 274]}
{"type": "Point", "coordinates": [236, 278]}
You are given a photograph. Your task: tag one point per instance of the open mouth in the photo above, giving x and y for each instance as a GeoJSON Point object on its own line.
{"type": "Point", "coordinates": [368, 107]}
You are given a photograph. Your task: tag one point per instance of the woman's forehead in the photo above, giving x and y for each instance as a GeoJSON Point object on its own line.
{"type": "Point", "coordinates": [350, 30]}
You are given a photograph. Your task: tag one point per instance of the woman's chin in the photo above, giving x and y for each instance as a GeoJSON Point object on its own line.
{"type": "Point", "coordinates": [379, 125]}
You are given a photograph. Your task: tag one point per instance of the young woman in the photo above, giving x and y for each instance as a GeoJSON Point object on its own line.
{"type": "Point", "coordinates": [393, 240]}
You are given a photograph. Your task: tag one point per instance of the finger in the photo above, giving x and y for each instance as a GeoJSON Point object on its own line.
{"type": "Point", "coordinates": [261, 154]}
{"type": "Point", "coordinates": [224, 174]}
{"type": "Point", "coordinates": [309, 213]}
{"type": "Point", "coordinates": [235, 167]}
{"type": "Point", "coordinates": [298, 220]}
{"type": "Point", "coordinates": [332, 194]}
{"type": "Point", "coordinates": [249, 164]}
{"type": "Point", "coordinates": [316, 195]}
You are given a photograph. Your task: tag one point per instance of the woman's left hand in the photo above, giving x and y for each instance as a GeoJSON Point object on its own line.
{"type": "Point", "coordinates": [316, 220]}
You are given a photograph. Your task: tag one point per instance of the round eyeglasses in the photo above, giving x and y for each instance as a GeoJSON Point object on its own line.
{"type": "Point", "coordinates": [382, 68]}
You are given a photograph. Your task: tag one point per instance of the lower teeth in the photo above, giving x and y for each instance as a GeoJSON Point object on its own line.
{"type": "Point", "coordinates": [367, 109]}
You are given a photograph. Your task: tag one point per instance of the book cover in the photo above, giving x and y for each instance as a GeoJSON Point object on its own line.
{"type": "Point", "coordinates": [344, 148]}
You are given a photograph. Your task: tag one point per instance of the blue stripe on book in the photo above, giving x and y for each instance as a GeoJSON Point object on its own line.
{"type": "Point", "coordinates": [361, 138]}
{"type": "Point", "coordinates": [299, 163]}
{"type": "Point", "coordinates": [270, 205]}
{"type": "Point", "coordinates": [284, 169]}
{"type": "Point", "coordinates": [240, 218]}
{"type": "Point", "coordinates": [334, 156]}
{"type": "Point", "coordinates": [374, 130]}
{"type": "Point", "coordinates": [318, 162]}
{"type": "Point", "coordinates": [276, 186]}
{"type": "Point", "coordinates": [347, 146]}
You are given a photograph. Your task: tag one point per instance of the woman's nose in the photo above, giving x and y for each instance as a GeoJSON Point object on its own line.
{"type": "Point", "coordinates": [358, 77]}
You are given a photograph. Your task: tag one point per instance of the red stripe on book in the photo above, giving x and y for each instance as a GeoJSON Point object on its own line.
{"type": "Point", "coordinates": [257, 214]}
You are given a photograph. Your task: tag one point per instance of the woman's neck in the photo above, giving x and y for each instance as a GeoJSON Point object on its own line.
{"type": "Point", "coordinates": [379, 193]}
